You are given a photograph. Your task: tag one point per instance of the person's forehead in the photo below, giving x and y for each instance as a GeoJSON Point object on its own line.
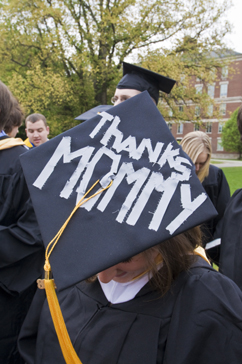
{"type": "Point", "coordinates": [126, 92]}
{"type": "Point", "coordinates": [38, 124]}
{"type": "Point", "coordinates": [202, 156]}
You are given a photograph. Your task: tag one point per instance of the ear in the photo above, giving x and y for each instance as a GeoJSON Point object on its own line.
{"type": "Point", "coordinates": [48, 130]}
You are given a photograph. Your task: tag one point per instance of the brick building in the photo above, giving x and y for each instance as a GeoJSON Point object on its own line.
{"type": "Point", "coordinates": [227, 95]}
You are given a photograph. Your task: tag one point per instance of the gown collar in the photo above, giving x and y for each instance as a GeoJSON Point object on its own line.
{"type": "Point", "coordinates": [116, 292]}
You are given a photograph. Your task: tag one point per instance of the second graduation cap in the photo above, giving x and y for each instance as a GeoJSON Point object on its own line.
{"type": "Point", "coordinates": [93, 112]}
{"type": "Point", "coordinates": [154, 193]}
{"type": "Point", "coordinates": [142, 79]}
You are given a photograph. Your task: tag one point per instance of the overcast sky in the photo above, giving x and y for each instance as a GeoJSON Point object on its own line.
{"type": "Point", "coordinates": [235, 18]}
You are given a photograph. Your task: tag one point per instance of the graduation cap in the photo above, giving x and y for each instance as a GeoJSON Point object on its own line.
{"type": "Point", "coordinates": [141, 79]}
{"type": "Point", "coordinates": [93, 112]}
{"type": "Point", "coordinates": [148, 189]}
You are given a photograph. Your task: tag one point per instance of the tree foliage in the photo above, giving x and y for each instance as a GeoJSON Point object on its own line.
{"type": "Point", "coordinates": [62, 57]}
{"type": "Point", "coordinates": [231, 136]}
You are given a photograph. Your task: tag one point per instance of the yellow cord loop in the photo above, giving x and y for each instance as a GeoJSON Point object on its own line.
{"type": "Point", "coordinates": [54, 241]}
{"type": "Point", "coordinates": [67, 348]}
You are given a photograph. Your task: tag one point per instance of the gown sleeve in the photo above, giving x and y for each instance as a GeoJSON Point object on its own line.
{"type": "Point", "coordinates": [231, 240]}
{"type": "Point", "coordinates": [21, 248]}
{"type": "Point", "coordinates": [217, 188]}
{"type": "Point", "coordinates": [206, 325]}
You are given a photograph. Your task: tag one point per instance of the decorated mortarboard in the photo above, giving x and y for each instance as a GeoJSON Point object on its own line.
{"type": "Point", "coordinates": [147, 189]}
{"type": "Point", "coordinates": [142, 79]}
{"type": "Point", "coordinates": [93, 112]}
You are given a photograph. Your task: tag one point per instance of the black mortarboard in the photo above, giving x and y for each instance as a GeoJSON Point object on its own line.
{"type": "Point", "coordinates": [155, 191]}
{"type": "Point", "coordinates": [93, 112]}
{"type": "Point", "coordinates": [141, 79]}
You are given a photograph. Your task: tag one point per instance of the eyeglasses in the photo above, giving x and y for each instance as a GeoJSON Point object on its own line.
{"type": "Point", "coordinates": [122, 98]}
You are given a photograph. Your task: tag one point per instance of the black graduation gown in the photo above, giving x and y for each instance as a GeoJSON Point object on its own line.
{"type": "Point", "coordinates": [21, 252]}
{"type": "Point", "coordinates": [231, 240]}
{"type": "Point", "coordinates": [198, 321]}
{"type": "Point", "coordinates": [217, 188]}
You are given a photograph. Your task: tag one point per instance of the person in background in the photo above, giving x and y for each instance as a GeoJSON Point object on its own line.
{"type": "Point", "coordinates": [21, 250]}
{"type": "Point", "coordinates": [198, 147]}
{"type": "Point", "coordinates": [15, 121]}
{"type": "Point", "coordinates": [6, 105]}
{"type": "Point", "coordinates": [231, 239]}
{"type": "Point", "coordinates": [136, 80]}
{"type": "Point", "coordinates": [36, 130]}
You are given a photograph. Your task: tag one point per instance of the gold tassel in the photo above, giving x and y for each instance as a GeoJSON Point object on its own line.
{"type": "Point", "coordinates": [67, 348]}
{"type": "Point", "coordinates": [68, 351]}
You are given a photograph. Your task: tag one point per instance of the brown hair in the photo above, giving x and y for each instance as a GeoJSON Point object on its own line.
{"type": "Point", "coordinates": [177, 255]}
{"type": "Point", "coordinates": [33, 118]}
{"type": "Point", "coordinates": [239, 121]}
{"type": "Point", "coordinates": [6, 104]}
{"type": "Point", "coordinates": [16, 118]}
{"type": "Point", "coordinates": [195, 143]}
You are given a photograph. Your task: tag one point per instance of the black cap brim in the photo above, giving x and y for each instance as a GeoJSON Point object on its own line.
{"type": "Point", "coordinates": [155, 192]}
{"type": "Point", "coordinates": [93, 112]}
{"type": "Point", "coordinates": [163, 83]}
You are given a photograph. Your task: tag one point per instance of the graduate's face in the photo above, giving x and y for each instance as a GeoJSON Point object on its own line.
{"type": "Point", "coordinates": [201, 161]}
{"type": "Point", "coordinates": [123, 95]}
{"type": "Point", "coordinates": [37, 132]}
{"type": "Point", "coordinates": [126, 271]}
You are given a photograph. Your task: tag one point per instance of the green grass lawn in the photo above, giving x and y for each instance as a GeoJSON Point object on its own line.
{"type": "Point", "coordinates": [234, 177]}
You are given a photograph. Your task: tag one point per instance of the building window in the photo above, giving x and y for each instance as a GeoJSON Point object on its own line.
{"type": "Point", "coordinates": [196, 127]}
{"type": "Point", "coordinates": [180, 128]}
{"type": "Point", "coordinates": [222, 109]}
{"type": "Point", "coordinates": [219, 145]}
{"type": "Point", "coordinates": [180, 108]}
{"type": "Point", "coordinates": [220, 127]}
{"type": "Point", "coordinates": [210, 111]}
{"type": "Point", "coordinates": [169, 126]}
{"type": "Point", "coordinates": [211, 91]}
{"type": "Point", "coordinates": [223, 89]}
{"type": "Point", "coordinates": [199, 89]}
{"type": "Point", "coordinates": [197, 111]}
{"type": "Point", "coordinates": [170, 113]}
{"type": "Point", "coordinates": [209, 127]}
{"type": "Point", "coordinates": [225, 72]}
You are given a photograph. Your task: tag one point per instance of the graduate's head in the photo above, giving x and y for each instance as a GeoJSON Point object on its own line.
{"type": "Point", "coordinates": [198, 147]}
{"type": "Point", "coordinates": [163, 262]}
{"type": "Point", "coordinates": [136, 80]}
{"type": "Point", "coordinates": [6, 104]}
{"type": "Point", "coordinates": [36, 129]}
{"type": "Point", "coordinates": [15, 120]}
{"type": "Point", "coordinates": [130, 268]}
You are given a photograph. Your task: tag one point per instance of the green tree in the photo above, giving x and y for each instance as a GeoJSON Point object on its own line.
{"type": "Point", "coordinates": [61, 57]}
{"type": "Point", "coordinates": [231, 136]}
